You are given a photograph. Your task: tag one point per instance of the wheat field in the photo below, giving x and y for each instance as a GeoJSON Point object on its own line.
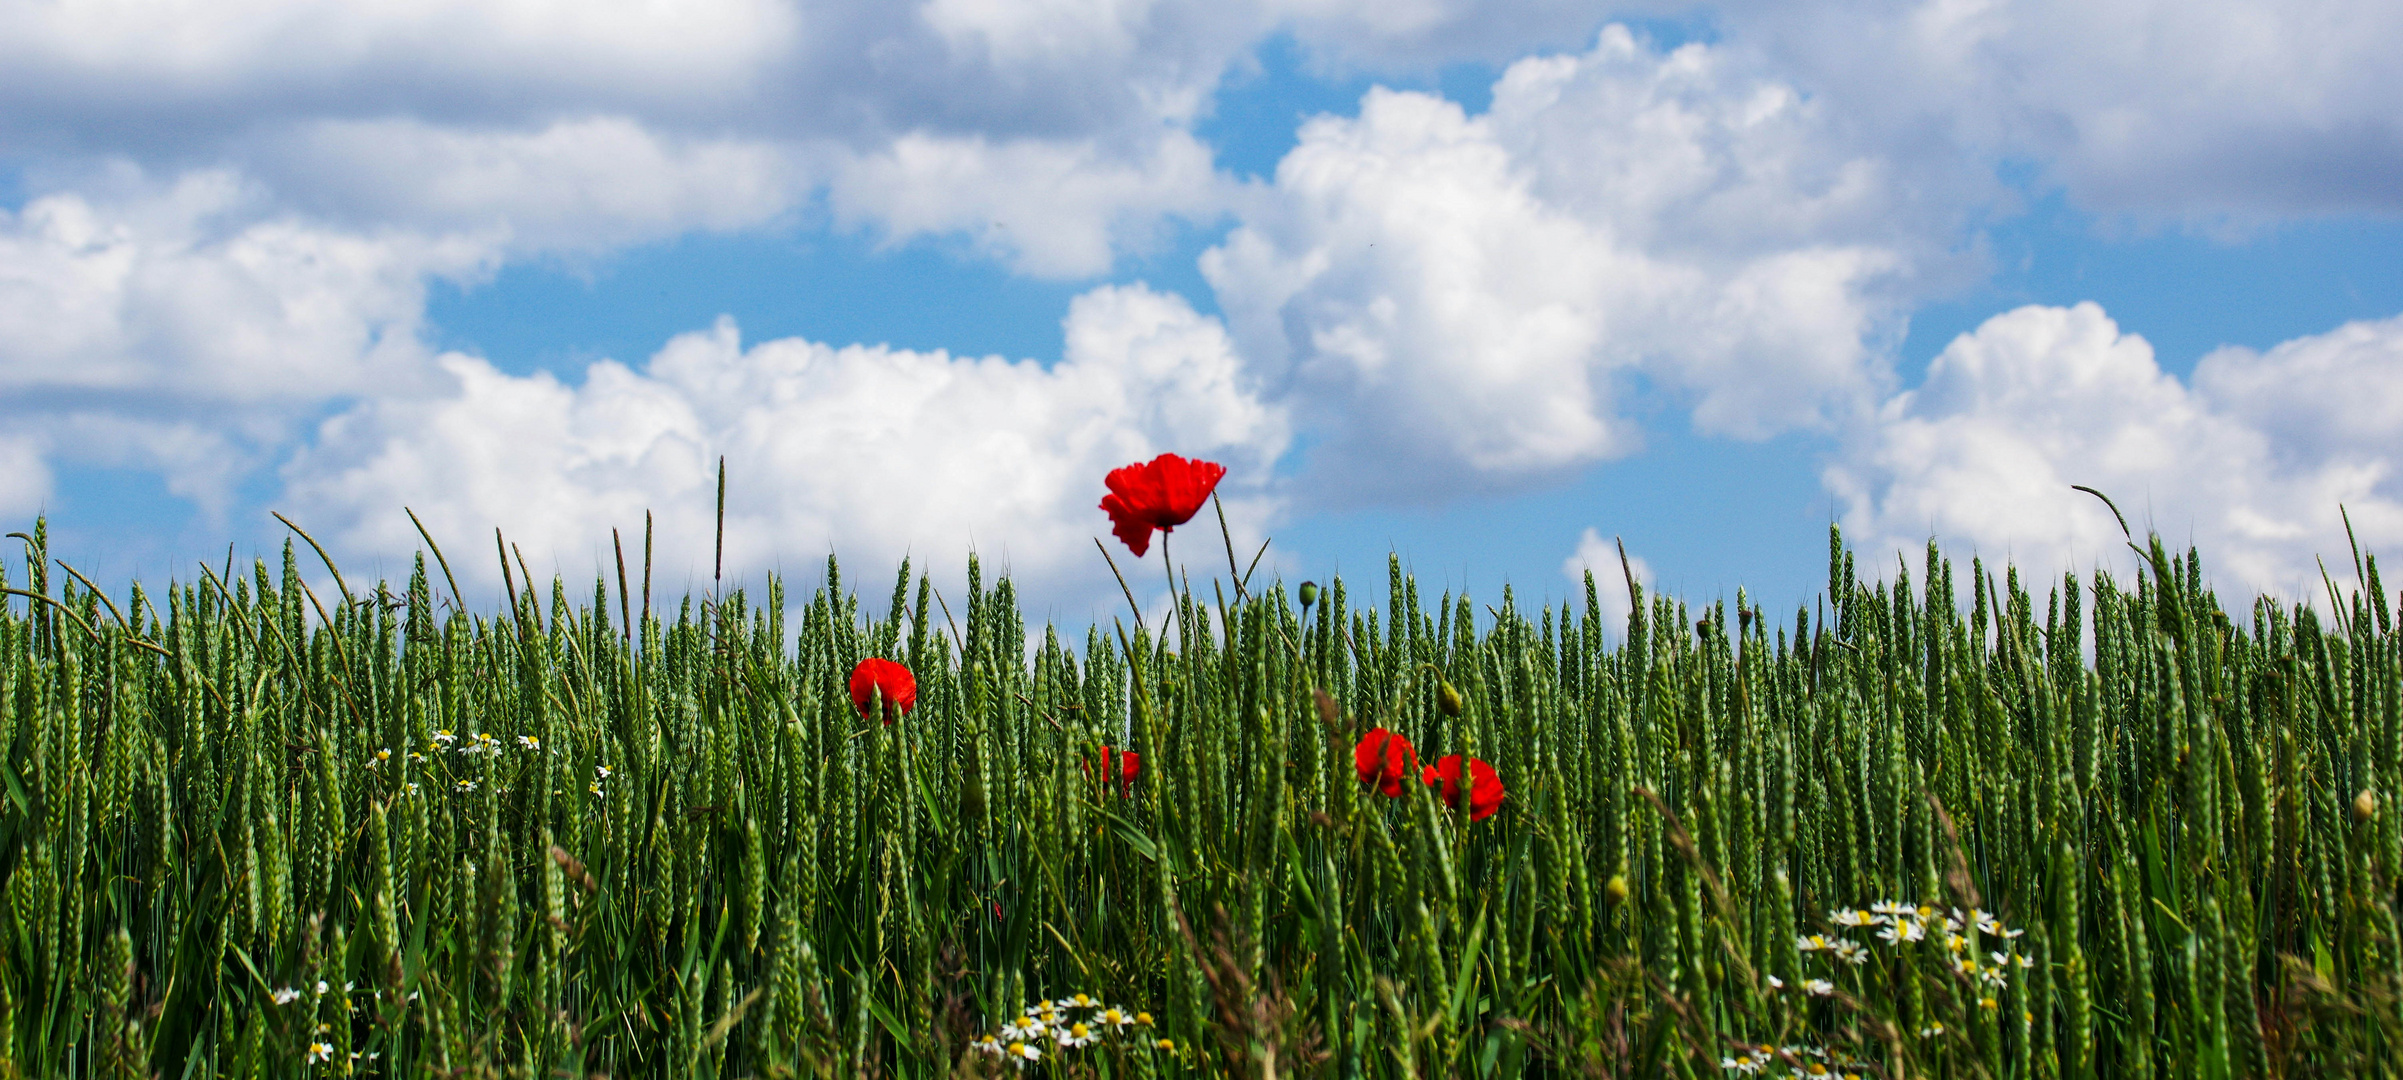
{"type": "Point", "coordinates": [270, 823]}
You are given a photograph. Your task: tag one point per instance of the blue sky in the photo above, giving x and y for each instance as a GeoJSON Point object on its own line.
{"type": "Point", "coordinates": [1484, 285]}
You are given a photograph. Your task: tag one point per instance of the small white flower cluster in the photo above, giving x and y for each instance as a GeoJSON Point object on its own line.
{"type": "Point", "coordinates": [384, 755]}
{"type": "Point", "coordinates": [476, 743]}
{"type": "Point", "coordinates": [1899, 924]}
{"type": "Point", "coordinates": [481, 742]}
{"type": "Point", "coordinates": [1963, 934]}
{"type": "Point", "coordinates": [285, 995]}
{"type": "Point", "coordinates": [1800, 1062]}
{"type": "Point", "coordinates": [1067, 1024]}
{"type": "Point", "coordinates": [319, 1051]}
{"type": "Point", "coordinates": [1813, 987]}
{"type": "Point", "coordinates": [600, 773]}
{"type": "Point", "coordinates": [1845, 950]}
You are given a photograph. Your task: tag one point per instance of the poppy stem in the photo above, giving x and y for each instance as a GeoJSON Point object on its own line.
{"type": "Point", "coordinates": [1172, 593]}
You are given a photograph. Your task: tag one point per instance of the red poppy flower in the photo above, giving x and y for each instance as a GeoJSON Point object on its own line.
{"type": "Point", "coordinates": [1160, 494]}
{"type": "Point", "coordinates": [1129, 765]}
{"type": "Point", "coordinates": [876, 677]}
{"type": "Point", "coordinates": [1384, 758]}
{"type": "Point", "coordinates": [1484, 789]}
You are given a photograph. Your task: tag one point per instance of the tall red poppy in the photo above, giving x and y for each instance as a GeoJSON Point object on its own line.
{"type": "Point", "coordinates": [1383, 758]}
{"type": "Point", "coordinates": [1162, 494]}
{"type": "Point", "coordinates": [876, 677]}
{"type": "Point", "coordinates": [1129, 764]}
{"type": "Point", "coordinates": [1484, 788]}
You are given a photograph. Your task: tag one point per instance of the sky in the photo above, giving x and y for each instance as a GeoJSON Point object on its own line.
{"type": "Point", "coordinates": [1492, 288]}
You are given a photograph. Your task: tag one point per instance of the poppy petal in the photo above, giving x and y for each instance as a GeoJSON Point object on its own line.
{"type": "Point", "coordinates": [1129, 526]}
{"type": "Point", "coordinates": [878, 678]}
{"type": "Point", "coordinates": [1384, 758]}
{"type": "Point", "coordinates": [1485, 790]}
{"type": "Point", "coordinates": [1161, 494]}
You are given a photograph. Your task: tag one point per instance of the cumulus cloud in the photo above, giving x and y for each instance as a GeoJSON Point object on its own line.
{"type": "Point", "coordinates": [24, 475]}
{"type": "Point", "coordinates": [2227, 109]}
{"type": "Point", "coordinates": [1464, 301]}
{"type": "Point", "coordinates": [867, 451]}
{"type": "Point", "coordinates": [2251, 461]}
{"type": "Point", "coordinates": [234, 64]}
{"type": "Point", "coordinates": [188, 328]}
{"type": "Point", "coordinates": [187, 290]}
{"type": "Point", "coordinates": [1053, 135]}
{"type": "Point", "coordinates": [1045, 208]}
{"type": "Point", "coordinates": [588, 184]}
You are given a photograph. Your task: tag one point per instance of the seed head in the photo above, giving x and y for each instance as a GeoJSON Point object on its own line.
{"type": "Point", "coordinates": [1308, 593]}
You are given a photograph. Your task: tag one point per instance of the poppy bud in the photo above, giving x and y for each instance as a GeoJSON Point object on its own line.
{"type": "Point", "coordinates": [2365, 805]}
{"type": "Point", "coordinates": [1308, 593]}
{"type": "Point", "coordinates": [1616, 889]}
{"type": "Point", "coordinates": [1448, 699]}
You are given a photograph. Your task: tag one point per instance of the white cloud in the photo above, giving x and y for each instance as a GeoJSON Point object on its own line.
{"type": "Point", "coordinates": [189, 292]}
{"type": "Point", "coordinates": [1464, 301]}
{"type": "Point", "coordinates": [1600, 558]}
{"type": "Point", "coordinates": [189, 328]}
{"type": "Point", "coordinates": [1428, 33]}
{"type": "Point", "coordinates": [2332, 395]}
{"type": "Point", "coordinates": [2243, 109]}
{"type": "Point", "coordinates": [1049, 209]}
{"type": "Point", "coordinates": [589, 184]}
{"type": "Point", "coordinates": [871, 452]}
{"type": "Point", "coordinates": [2250, 463]}
{"type": "Point", "coordinates": [227, 66]}
{"type": "Point", "coordinates": [24, 476]}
